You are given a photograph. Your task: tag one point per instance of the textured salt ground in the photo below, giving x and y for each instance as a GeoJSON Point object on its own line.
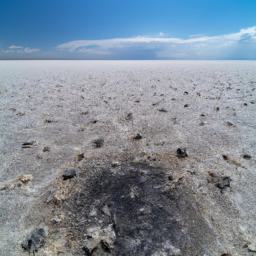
{"type": "Point", "coordinates": [47, 102]}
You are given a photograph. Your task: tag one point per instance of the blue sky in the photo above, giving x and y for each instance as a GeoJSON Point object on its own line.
{"type": "Point", "coordinates": [128, 29]}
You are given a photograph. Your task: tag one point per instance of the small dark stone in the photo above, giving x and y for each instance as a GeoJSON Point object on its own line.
{"type": "Point", "coordinates": [69, 173]}
{"type": "Point", "coordinates": [217, 109]}
{"type": "Point", "coordinates": [186, 106]}
{"type": "Point", "coordinates": [185, 93]}
{"type": "Point", "coordinates": [87, 252]}
{"type": "Point", "coordinates": [35, 240]}
{"type": "Point", "coordinates": [80, 157]}
{"type": "Point", "coordinates": [221, 182]}
{"type": "Point", "coordinates": [84, 113]}
{"type": "Point", "coordinates": [137, 136]}
{"type": "Point", "coordinates": [129, 117]}
{"type": "Point", "coordinates": [49, 121]}
{"type": "Point", "coordinates": [246, 156]}
{"type": "Point", "coordinates": [46, 149]}
{"type": "Point", "coordinates": [162, 110]}
{"type": "Point", "coordinates": [181, 153]}
{"type": "Point", "coordinates": [170, 177]}
{"type": "Point", "coordinates": [105, 246]}
{"type": "Point", "coordinates": [225, 157]}
{"type": "Point", "coordinates": [228, 123]}
{"type": "Point", "coordinates": [98, 143]}
{"type": "Point", "coordinates": [245, 104]}
{"type": "Point", "coordinates": [28, 144]}
{"type": "Point", "coordinates": [20, 114]}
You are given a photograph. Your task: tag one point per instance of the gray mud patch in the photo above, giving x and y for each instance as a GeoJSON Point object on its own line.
{"type": "Point", "coordinates": [134, 211]}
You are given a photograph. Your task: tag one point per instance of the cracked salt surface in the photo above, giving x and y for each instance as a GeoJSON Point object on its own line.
{"type": "Point", "coordinates": [64, 106]}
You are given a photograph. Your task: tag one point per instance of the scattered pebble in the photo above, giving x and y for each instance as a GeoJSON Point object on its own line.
{"type": "Point", "coordinates": [225, 157]}
{"type": "Point", "coordinates": [129, 117]}
{"type": "Point", "coordinates": [247, 157]}
{"type": "Point", "coordinates": [115, 164]}
{"type": "Point", "coordinates": [49, 121]}
{"type": "Point", "coordinates": [138, 136]}
{"type": "Point", "coordinates": [98, 143]}
{"type": "Point", "coordinates": [28, 144]}
{"type": "Point", "coordinates": [221, 182]}
{"type": "Point", "coordinates": [69, 173]}
{"type": "Point", "coordinates": [181, 153]}
{"type": "Point", "coordinates": [228, 123]}
{"type": "Point", "coordinates": [162, 110]}
{"type": "Point", "coordinates": [25, 178]}
{"type": "Point", "coordinates": [186, 106]}
{"type": "Point", "coordinates": [46, 149]}
{"type": "Point", "coordinates": [80, 157]}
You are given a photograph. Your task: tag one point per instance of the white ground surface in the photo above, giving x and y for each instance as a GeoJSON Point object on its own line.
{"type": "Point", "coordinates": [32, 92]}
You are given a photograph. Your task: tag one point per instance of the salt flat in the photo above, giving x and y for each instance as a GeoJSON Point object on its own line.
{"type": "Point", "coordinates": [131, 194]}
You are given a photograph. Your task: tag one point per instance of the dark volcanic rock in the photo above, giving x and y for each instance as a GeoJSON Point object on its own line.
{"type": "Point", "coordinates": [162, 110]}
{"type": "Point", "coordinates": [181, 153]}
{"type": "Point", "coordinates": [129, 117]}
{"type": "Point", "coordinates": [35, 240]}
{"type": "Point", "coordinates": [28, 144]}
{"type": "Point", "coordinates": [247, 157]}
{"type": "Point", "coordinates": [138, 136]}
{"type": "Point", "coordinates": [69, 173]}
{"type": "Point", "coordinates": [98, 143]}
{"type": "Point", "coordinates": [221, 182]}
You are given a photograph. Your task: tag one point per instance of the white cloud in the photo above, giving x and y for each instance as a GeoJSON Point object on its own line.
{"type": "Point", "coordinates": [20, 50]}
{"type": "Point", "coordinates": [161, 46]}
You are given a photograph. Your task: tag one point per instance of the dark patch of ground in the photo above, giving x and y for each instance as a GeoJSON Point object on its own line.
{"type": "Point", "coordinates": [134, 211]}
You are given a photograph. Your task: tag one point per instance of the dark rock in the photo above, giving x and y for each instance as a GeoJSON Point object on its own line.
{"type": "Point", "coordinates": [69, 173]}
{"type": "Point", "coordinates": [246, 156]}
{"type": "Point", "coordinates": [186, 106]}
{"type": "Point", "coordinates": [162, 110]}
{"type": "Point", "coordinates": [245, 104]}
{"type": "Point", "coordinates": [105, 246]}
{"type": "Point", "coordinates": [49, 121]}
{"type": "Point", "coordinates": [185, 93]}
{"type": "Point", "coordinates": [217, 109]}
{"type": "Point", "coordinates": [98, 143]}
{"type": "Point", "coordinates": [225, 157]}
{"type": "Point", "coordinates": [87, 252]}
{"type": "Point", "coordinates": [80, 157]}
{"type": "Point", "coordinates": [181, 153]}
{"type": "Point", "coordinates": [221, 182]}
{"type": "Point", "coordinates": [28, 144]}
{"type": "Point", "coordinates": [84, 113]}
{"type": "Point", "coordinates": [20, 114]}
{"type": "Point", "coordinates": [138, 136]}
{"type": "Point", "coordinates": [228, 123]}
{"type": "Point", "coordinates": [46, 149]}
{"type": "Point", "coordinates": [94, 121]}
{"type": "Point", "coordinates": [35, 240]}
{"type": "Point", "coordinates": [129, 117]}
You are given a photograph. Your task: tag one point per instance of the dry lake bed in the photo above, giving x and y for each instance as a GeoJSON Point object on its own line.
{"type": "Point", "coordinates": [128, 158]}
